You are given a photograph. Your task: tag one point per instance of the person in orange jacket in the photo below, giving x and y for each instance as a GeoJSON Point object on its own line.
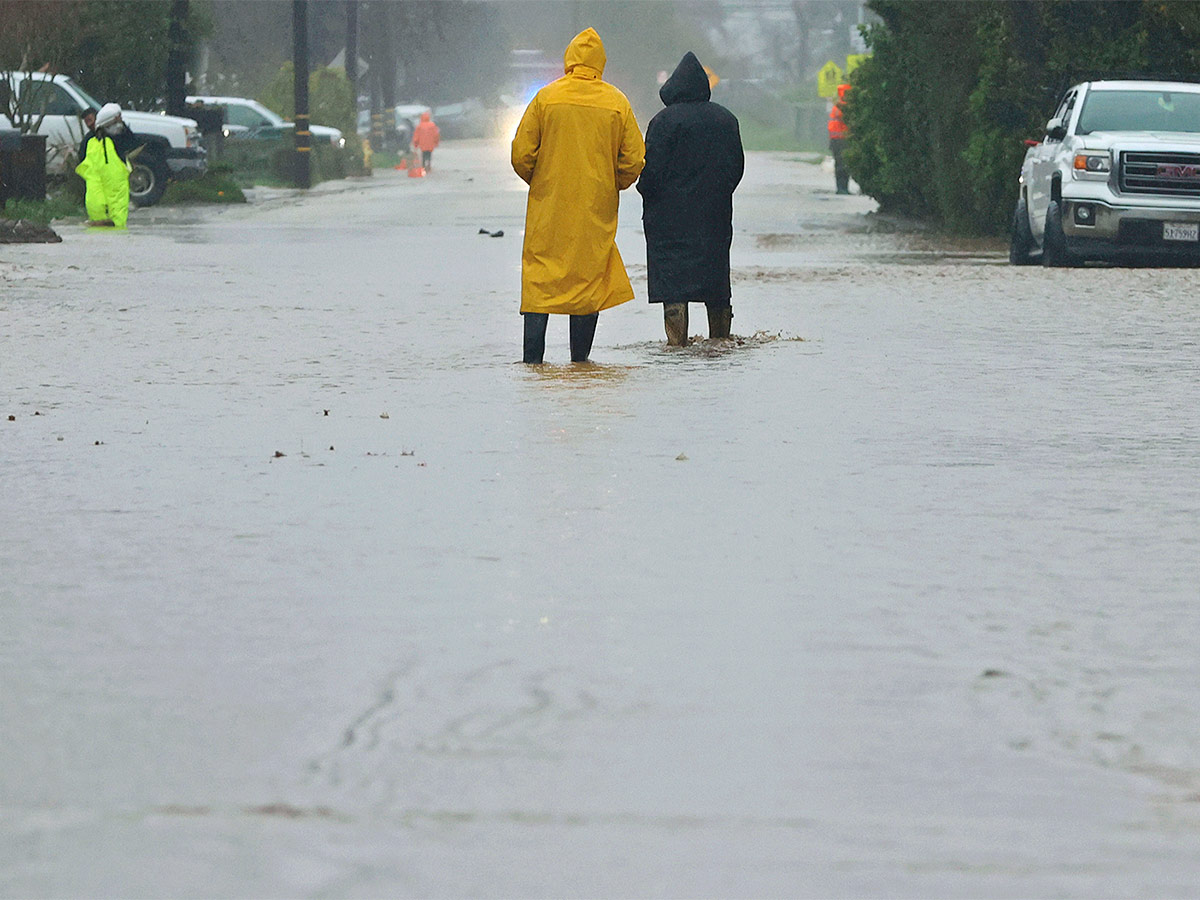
{"type": "Point", "coordinates": [425, 138]}
{"type": "Point", "coordinates": [837, 141]}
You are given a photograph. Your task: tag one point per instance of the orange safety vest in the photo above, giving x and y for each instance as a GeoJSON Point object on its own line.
{"type": "Point", "coordinates": [837, 125]}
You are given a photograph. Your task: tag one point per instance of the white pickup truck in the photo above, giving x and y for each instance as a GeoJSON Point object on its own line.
{"type": "Point", "coordinates": [172, 144]}
{"type": "Point", "coordinates": [1117, 176]}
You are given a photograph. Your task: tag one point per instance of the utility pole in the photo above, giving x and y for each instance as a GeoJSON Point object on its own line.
{"type": "Point", "coordinates": [387, 80]}
{"type": "Point", "coordinates": [352, 48]}
{"type": "Point", "coordinates": [176, 71]}
{"type": "Point", "coordinates": [300, 65]}
{"type": "Point", "coordinates": [375, 54]}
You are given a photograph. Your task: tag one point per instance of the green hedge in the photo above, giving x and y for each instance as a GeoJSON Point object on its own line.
{"type": "Point", "coordinates": [330, 98]}
{"type": "Point", "coordinates": [272, 160]}
{"type": "Point", "coordinates": [938, 113]}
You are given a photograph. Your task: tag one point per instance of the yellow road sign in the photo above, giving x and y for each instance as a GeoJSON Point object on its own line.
{"type": "Point", "coordinates": [828, 78]}
{"type": "Point", "coordinates": [854, 60]}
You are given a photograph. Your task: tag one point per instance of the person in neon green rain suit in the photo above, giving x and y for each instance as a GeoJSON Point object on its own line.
{"type": "Point", "coordinates": [105, 171]}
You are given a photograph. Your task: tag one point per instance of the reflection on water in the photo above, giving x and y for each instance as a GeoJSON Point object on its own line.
{"type": "Point", "coordinates": [574, 376]}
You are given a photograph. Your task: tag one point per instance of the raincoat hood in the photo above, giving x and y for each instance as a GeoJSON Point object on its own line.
{"type": "Point", "coordinates": [687, 84]}
{"type": "Point", "coordinates": [585, 51]}
{"type": "Point", "coordinates": [426, 117]}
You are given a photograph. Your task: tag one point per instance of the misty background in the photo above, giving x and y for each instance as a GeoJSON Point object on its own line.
{"type": "Point", "coordinates": [498, 52]}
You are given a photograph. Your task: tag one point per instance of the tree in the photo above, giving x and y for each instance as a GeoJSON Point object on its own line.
{"type": "Point", "coordinates": [178, 50]}
{"type": "Point", "coordinates": [330, 101]}
{"type": "Point", "coordinates": [33, 38]}
{"type": "Point", "coordinates": [938, 114]}
{"type": "Point", "coordinates": [121, 48]}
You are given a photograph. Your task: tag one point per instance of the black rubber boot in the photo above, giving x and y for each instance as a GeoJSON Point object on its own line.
{"type": "Point", "coordinates": [720, 321]}
{"type": "Point", "coordinates": [675, 320]}
{"type": "Point", "coordinates": [535, 336]}
{"type": "Point", "coordinates": [583, 331]}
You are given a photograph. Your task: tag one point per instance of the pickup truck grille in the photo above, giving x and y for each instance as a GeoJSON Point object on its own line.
{"type": "Point", "coordinates": [1170, 174]}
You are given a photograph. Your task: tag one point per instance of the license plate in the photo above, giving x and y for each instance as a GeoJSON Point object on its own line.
{"type": "Point", "coordinates": [1181, 231]}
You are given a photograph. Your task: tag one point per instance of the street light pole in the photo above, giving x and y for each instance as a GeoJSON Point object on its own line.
{"type": "Point", "coordinates": [300, 84]}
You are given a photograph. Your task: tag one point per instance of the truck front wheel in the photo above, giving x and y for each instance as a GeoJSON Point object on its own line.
{"type": "Point", "coordinates": [148, 178]}
{"type": "Point", "coordinates": [1054, 241]}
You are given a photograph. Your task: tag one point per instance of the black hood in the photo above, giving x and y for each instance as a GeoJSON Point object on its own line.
{"type": "Point", "coordinates": [687, 84]}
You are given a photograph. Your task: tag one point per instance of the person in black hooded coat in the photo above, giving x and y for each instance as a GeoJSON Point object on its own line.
{"type": "Point", "coordinates": [694, 162]}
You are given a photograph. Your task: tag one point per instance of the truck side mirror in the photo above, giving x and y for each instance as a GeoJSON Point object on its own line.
{"type": "Point", "coordinates": [1057, 132]}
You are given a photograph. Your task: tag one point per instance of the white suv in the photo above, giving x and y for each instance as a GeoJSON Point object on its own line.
{"type": "Point", "coordinates": [1116, 176]}
{"type": "Point", "coordinates": [172, 144]}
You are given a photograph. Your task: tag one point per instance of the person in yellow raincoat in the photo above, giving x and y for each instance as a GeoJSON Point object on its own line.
{"type": "Point", "coordinates": [578, 146]}
{"type": "Point", "coordinates": [105, 171]}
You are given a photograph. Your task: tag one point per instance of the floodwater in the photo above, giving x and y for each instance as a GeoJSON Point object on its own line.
{"type": "Point", "coordinates": [307, 588]}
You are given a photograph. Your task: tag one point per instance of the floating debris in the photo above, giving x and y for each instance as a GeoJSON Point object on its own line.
{"type": "Point", "coordinates": [384, 415]}
{"type": "Point", "coordinates": [279, 454]}
{"type": "Point", "coordinates": [682, 457]}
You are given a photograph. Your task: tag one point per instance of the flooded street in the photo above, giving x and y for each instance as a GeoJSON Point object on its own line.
{"type": "Point", "coordinates": [308, 588]}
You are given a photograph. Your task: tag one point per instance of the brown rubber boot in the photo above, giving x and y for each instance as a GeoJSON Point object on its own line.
{"type": "Point", "coordinates": [720, 321]}
{"type": "Point", "coordinates": [675, 319]}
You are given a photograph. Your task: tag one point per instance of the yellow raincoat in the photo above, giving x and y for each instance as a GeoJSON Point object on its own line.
{"type": "Point", "coordinates": [107, 178]}
{"type": "Point", "coordinates": [578, 144]}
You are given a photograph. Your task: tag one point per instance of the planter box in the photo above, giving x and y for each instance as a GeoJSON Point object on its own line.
{"type": "Point", "coordinates": [22, 166]}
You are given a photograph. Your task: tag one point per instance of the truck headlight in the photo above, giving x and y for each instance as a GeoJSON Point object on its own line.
{"type": "Point", "coordinates": [1092, 162]}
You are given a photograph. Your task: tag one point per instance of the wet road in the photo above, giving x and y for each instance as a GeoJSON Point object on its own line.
{"type": "Point", "coordinates": [308, 589]}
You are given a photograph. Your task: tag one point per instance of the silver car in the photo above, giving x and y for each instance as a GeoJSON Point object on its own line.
{"type": "Point", "coordinates": [1117, 176]}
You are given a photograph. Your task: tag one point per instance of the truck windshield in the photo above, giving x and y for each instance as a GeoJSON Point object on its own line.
{"type": "Point", "coordinates": [1139, 111]}
{"type": "Point", "coordinates": [87, 98]}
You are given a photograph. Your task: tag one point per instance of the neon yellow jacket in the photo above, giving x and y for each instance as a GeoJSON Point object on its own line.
{"type": "Point", "coordinates": [107, 178]}
{"type": "Point", "coordinates": [577, 146]}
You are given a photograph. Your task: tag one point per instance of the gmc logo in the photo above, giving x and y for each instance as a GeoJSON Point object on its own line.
{"type": "Point", "coordinates": [1169, 170]}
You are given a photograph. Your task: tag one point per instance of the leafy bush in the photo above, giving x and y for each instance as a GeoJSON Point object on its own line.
{"type": "Point", "coordinates": [330, 98]}
{"type": "Point", "coordinates": [217, 185]}
{"type": "Point", "coordinates": [272, 161]}
{"type": "Point", "coordinates": [938, 113]}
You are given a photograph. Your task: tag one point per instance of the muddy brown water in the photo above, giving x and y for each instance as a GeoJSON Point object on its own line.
{"type": "Point", "coordinates": [893, 595]}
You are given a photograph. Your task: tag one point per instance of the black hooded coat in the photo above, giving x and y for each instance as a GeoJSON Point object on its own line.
{"type": "Point", "coordinates": [694, 162]}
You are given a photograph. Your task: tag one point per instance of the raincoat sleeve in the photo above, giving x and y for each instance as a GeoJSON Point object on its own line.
{"type": "Point", "coordinates": [527, 142]}
{"type": "Point", "coordinates": [632, 156]}
{"type": "Point", "coordinates": [658, 151]}
{"type": "Point", "coordinates": [736, 166]}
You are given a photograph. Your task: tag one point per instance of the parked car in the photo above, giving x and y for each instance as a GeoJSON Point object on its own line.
{"type": "Point", "coordinates": [1117, 176]}
{"type": "Point", "coordinates": [407, 116]}
{"type": "Point", "coordinates": [245, 118]}
{"type": "Point", "coordinates": [172, 144]}
{"type": "Point", "coordinates": [468, 119]}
